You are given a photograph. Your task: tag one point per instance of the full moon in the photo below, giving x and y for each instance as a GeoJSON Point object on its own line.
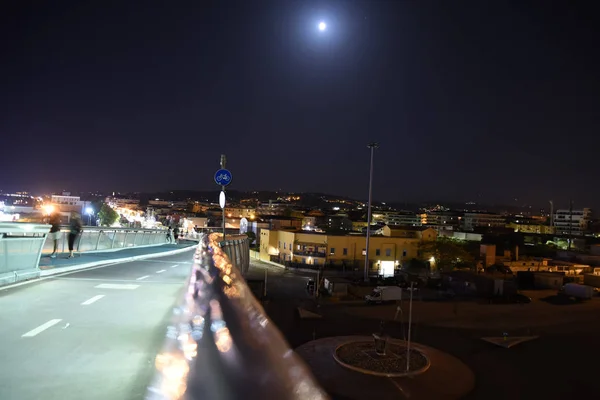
{"type": "Point", "coordinates": [322, 26]}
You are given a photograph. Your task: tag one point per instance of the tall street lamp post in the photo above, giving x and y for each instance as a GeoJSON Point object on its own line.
{"type": "Point", "coordinates": [372, 146]}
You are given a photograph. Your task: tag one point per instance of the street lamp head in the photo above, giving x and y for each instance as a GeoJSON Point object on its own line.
{"type": "Point", "coordinates": [89, 210]}
{"type": "Point", "coordinates": [373, 145]}
{"type": "Point", "coordinates": [322, 26]}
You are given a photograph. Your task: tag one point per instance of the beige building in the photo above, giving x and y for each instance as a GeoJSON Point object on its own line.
{"type": "Point", "coordinates": [358, 225]}
{"type": "Point", "coordinates": [386, 252]}
{"type": "Point", "coordinates": [237, 212]}
{"type": "Point", "coordinates": [532, 228]}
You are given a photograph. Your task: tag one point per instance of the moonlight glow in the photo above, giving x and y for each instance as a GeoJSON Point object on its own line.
{"type": "Point", "coordinates": [322, 26]}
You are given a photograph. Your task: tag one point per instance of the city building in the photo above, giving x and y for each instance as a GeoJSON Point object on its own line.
{"type": "Point", "coordinates": [399, 218]}
{"type": "Point", "coordinates": [67, 203]}
{"type": "Point", "coordinates": [525, 227]}
{"type": "Point", "coordinates": [238, 212]}
{"type": "Point", "coordinates": [272, 208]}
{"type": "Point", "coordinates": [338, 222]}
{"type": "Point", "coordinates": [473, 220]}
{"type": "Point", "coordinates": [278, 222]}
{"type": "Point", "coordinates": [442, 220]}
{"type": "Point", "coordinates": [122, 202]}
{"type": "Point", "coordinates": [386, 252]}
{"type": "Point", "coordinates": [572, 222]}
{"type": "Point", "coordinates": [359, 226]}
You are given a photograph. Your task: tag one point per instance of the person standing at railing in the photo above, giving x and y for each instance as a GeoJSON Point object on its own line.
{"type": "Point", "coordinates": [74, 231]}
{"type": "Point", "coordinates": [54, 235]}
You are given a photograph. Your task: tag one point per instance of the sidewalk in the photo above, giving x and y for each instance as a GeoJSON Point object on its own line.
{"type": "Point", "coordinates": [51, 266]}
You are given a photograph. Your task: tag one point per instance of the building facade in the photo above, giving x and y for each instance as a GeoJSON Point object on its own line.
{"type": "Point", "coordinates": [532, 228]}
{"type": "Point", "coordinates": [572, 222]}
{"type": "Point", "coordinates": [68, 203]}
{"type": "Point", "coordinates": [472, 220]}
{"type": "Point", "coordinates": [386, 252]}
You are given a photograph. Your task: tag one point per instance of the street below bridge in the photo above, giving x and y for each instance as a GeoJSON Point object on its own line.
{"type": "Point", "coordinates": [566, 338]}
{"type": "Point", "coordinates": [91, 334]}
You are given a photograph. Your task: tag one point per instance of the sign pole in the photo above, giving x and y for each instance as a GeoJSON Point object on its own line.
{"type": "Point", "coordinates": [223, 162]}
{"type": "Point", "coordinates": [371, 146]}
{"type": "Point", "coordinates": [265, 289]}
{"type": "Point", "coordinates": [412, 289]}
{"type": "Point", "coordinates": [223, 178]}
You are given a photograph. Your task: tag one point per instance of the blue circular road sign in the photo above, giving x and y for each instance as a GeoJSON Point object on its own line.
{"type": "Point", "coordinates": [223, 177]}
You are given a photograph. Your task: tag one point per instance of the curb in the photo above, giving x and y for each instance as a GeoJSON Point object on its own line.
{"type": "Point", "coordinates": [56, 271]}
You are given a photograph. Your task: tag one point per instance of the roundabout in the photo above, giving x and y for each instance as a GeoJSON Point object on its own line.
{"type": "Point", "coordinates": [360, 356]}
{"type": "Point", "coordinates": [349, 367]}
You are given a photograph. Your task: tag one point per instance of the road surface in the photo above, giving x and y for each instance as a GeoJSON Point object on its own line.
{"type": "Point", "coordinates": [91, 334]}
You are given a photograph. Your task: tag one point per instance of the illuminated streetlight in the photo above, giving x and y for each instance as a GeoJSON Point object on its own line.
{"type": "Point", "coordinates": [322, 26]}
{"type": "Point", "coordinates": [49, 208]}
{"type": "Point", "coordinates": [89, 211]}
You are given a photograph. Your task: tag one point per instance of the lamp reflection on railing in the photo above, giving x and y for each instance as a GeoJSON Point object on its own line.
{"type": "Point", "coordinates": [174, 371]}
{"type": "Point", "coordinates": [243, 346]}
{"type": "Point", "coordinates": [223, 340]}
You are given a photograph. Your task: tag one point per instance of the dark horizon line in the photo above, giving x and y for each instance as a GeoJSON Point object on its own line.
{"type": "Point", "coordinates": [347, 197]}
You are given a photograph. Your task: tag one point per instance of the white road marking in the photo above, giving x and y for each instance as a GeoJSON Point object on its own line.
{"type": "Point", "coordinates": [168, 262]}
{"type": "Point", "coordinates": [92, 300]}
{"type": "Point", "coordinates": [141, 278]}
{"type": "Point", "coordinates": [42, 328]}
{"type": "Point", "coordinates": [116, 286]}
{"type": "Point", "coordinates": [161, 271]}
{"type": "Point", "coordinates": [174, 266]}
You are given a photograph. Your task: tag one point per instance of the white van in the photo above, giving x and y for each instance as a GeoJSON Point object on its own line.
{"type": "Point", "coordinates": [383, 294]}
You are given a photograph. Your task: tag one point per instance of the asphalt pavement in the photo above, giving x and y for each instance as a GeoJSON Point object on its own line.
{"type": "Point", "coordinates": [91, 334]}
{"type": "Point", "coordinates": [557, 365]}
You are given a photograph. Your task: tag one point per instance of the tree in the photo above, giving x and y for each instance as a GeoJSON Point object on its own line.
{"type": "Point", "coordinates": [447, 253]}
{"type": "Point", "coordinates": [107, 215]}
{"type": "Point", "coordinates": [251, 237]}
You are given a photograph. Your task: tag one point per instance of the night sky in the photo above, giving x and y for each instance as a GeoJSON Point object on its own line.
{"type": "Point", "coordinates": [487, 101]}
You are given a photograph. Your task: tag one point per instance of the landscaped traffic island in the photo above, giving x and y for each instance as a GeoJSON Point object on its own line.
{"type": "Point", "coordinates": [361, 356]}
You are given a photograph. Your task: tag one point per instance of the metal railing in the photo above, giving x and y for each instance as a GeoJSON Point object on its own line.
{"type": "Point", "coordinates": [20, 250]}
{"type": "Point", "coordinates": [221, 345]}
{"type": "Point", "coordinates": [237, 249]}
{"type": "Point", "coordinates": [104, 238]}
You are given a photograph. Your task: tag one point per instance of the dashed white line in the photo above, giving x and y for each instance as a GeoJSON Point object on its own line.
{"type": "Point", "coordinates": [92, 300]}
{"type": "Point", "coordinates": [161, 271]}
{"type": "Point", "coordinates": [141, 278]}
{"type": "Point", "coordinates": [116, 286]}
{"type": "Point", "coordinates": [174, 266]}
{"type": "Point", "coordinates": [42, 328]}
